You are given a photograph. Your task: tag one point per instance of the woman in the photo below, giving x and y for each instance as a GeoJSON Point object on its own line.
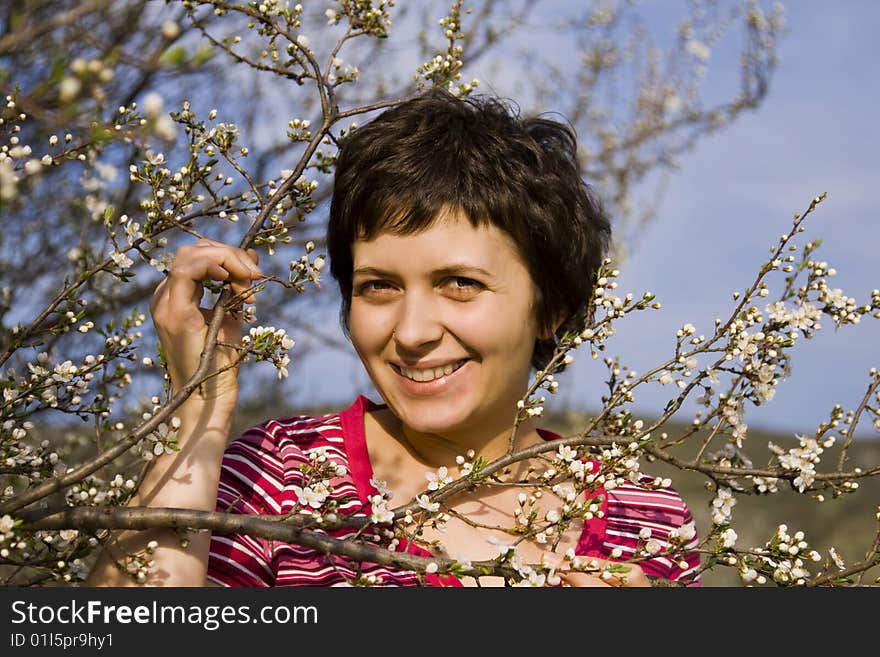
{"type": "Point", "coordinates": [464, 241]}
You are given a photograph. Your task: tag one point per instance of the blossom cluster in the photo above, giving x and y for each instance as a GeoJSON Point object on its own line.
{"type": "Point", "coordinates": [313, 497]}
{"type": "Point", "coordinates": [269, 343]}
{"type": "Point", "coordinates": [66, 385]}
{"type": "Point", "coordinates": [445, 69]}
{"type": "Point", "coordinates": [722, 506]}
{"type": "Point", "coordinates": [783, 559]}
{"type": "Point", "coordinates": [373, 18]}
{"type": "Point", "coordinates": [803, 459]}
{"type": "Point", "coordinates": [96, 491]}
{"type": "Point", "coordinates": [161, 441]}
{"type": "Point", "coordinates": [137, 565]}
{"type": "Point", "coordinates": [18, 163]}
{"type": "Point", "coordinates": [605, 308]}
{"type": "Point", "coordinates": [306, 269]}
{"type": "Point", "coordinates": [62, 551]}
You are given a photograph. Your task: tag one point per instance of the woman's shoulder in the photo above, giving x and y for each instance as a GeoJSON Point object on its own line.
{"type": "Point", "coordinates": [649, 496]}
{"type": "Point", "coordinates": [268, 457]}
{"type": "Point", "coordinates": [307, 431]}
{"type": "Point", "coordinates": [280, 446]}
{"type": "Point", "coordinates": [648, 516]}
{"type": "Point", "coordinates": [292, 431]}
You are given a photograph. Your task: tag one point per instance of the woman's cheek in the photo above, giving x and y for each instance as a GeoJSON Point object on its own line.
{"type": "Point", "coordinates": [476, 331]}
{"type": "Point", "coordinates": [370, 326]}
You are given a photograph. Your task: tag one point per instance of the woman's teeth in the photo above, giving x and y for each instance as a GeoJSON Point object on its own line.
{"type": "Point", "coordinates": [430, 374]}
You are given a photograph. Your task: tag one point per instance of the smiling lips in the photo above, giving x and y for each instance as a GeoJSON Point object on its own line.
{"type": "Point", "coordinates": [429, 374]}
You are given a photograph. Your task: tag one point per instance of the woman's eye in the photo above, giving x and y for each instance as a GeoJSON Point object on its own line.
{"type": "Point", "coordinates": [461, 281]}
{"type": "Point", "coordinates": [374, 287]}
{"type": "Point", "coordinates": [462, 286]}
{"type": "Point", "coordinates": [457, 286]}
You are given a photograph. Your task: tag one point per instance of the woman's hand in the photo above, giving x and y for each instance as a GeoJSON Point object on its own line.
{"type": "Point", "coordinates": [635, 576]}
{"type": "Point", "coordinates": [182, 324]}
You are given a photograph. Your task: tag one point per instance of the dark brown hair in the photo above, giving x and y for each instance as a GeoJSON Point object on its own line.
{"type": "Point", "coordinates": [436, 153]}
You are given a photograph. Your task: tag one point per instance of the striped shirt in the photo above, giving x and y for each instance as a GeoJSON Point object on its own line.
{"type": "Point", "coordinates": [262, 469]}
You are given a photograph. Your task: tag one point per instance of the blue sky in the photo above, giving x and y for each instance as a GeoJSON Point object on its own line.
{"type": "Point", "coordinates": [735, 195]}
{"type": "Point", "coordinates": [732, 198]}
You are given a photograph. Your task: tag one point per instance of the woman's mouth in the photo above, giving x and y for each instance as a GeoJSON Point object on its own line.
{"type": "Point", "coordinates": [429, 380]}
{"type": "Point", "coordinates": [427, 375]}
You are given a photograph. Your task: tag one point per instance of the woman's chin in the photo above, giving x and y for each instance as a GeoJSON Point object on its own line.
{"type": "Point", "coordinates": [430, 423]}
{"type": "Point", "coordinates": [436, 416]}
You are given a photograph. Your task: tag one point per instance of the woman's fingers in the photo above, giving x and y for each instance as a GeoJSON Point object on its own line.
{"type": "Point", "coordinates": [625, 574]}
{"type": "Point", "coordinates": [581, 580]}
{"type": "Point", "coordinates": [240, 263]}
{"type": "Point", "coordinates": [181, 322]}
{"type": "Point", "coordinates": [565, 576]}
{"type": "Point", "coordinates": [207, 260]}
{"type": "Point", "coordinates": [631, 578]}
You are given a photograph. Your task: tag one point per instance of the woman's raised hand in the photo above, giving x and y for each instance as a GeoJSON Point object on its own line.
{"type": "Point", "coordinates": [182, 324]}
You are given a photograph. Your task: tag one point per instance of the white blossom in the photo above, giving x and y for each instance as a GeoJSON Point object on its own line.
{"type": "Point", "coordinates": [804, 317]}
{"type": "Point", "coordinates": [152, 105]}
{"type": "Point", "coordinates": [313, 495]}
{"type": "Point", "coordinates": [133, 231]}
{"type": "Point", "coordinates": [777, 312]}
{"type": "Point", "coordinates": [121, 260]}
{"type": "Point", "coordinates": [687, 532]}
{"type": "Point", "coordinates": [170, 30]}
{"type": "Point", "coordinates": [728, 538]}
{"type": "Point", "coordinates": [69, 89]}
{"type": "Point", "coordinates": [64, 372]}
{"type": "Point", "coordinates": [722, 506]}
{"type": "Point", "coordinates": [381, 486]}
{"type": "Point", "coordinates": [699, 50]}
{"type": "Point", "coordinates": [426, 503]}
{"type": "Point", "coordinates": [68, 534]}
{"type": "Point", "coordinates": [380, 512]}
{"type": "Point", "coordinates": [566, 453]}
{"type": "Point", "coordinates": [801, 459]}
{"type": "Point", "coordinates": [438, 479]}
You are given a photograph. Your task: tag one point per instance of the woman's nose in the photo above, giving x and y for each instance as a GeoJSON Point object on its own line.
{"type": "Point", "coordinates": [418, 323]}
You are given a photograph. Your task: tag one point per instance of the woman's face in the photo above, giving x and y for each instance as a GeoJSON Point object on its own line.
{"type": "Point", "coordinates": [444, 324]}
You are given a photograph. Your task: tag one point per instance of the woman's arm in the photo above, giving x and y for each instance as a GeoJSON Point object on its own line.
{"type": "Point", "coordinates": [186, 478]}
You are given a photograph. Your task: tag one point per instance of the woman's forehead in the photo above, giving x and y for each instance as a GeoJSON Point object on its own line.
{"type": "Point", "coordinates": [446, 242]}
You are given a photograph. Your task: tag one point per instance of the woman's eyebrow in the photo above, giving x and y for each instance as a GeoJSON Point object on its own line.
{"type": "Point", "coordinates": [452, 269]}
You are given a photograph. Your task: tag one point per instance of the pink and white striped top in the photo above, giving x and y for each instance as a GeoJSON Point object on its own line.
{"type": "Point", "coordinates": [261, 468]}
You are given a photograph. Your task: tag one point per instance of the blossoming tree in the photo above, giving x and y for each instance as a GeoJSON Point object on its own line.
{"type": "Point", "coordinates": [85, 86]}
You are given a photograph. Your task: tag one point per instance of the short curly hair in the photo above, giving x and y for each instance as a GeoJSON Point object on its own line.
{"type": "Point", "coordinates": [435, 153]}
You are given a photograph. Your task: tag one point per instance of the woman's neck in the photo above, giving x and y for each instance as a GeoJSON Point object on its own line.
{"type": "Point", "coordinates": [435, 450]}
